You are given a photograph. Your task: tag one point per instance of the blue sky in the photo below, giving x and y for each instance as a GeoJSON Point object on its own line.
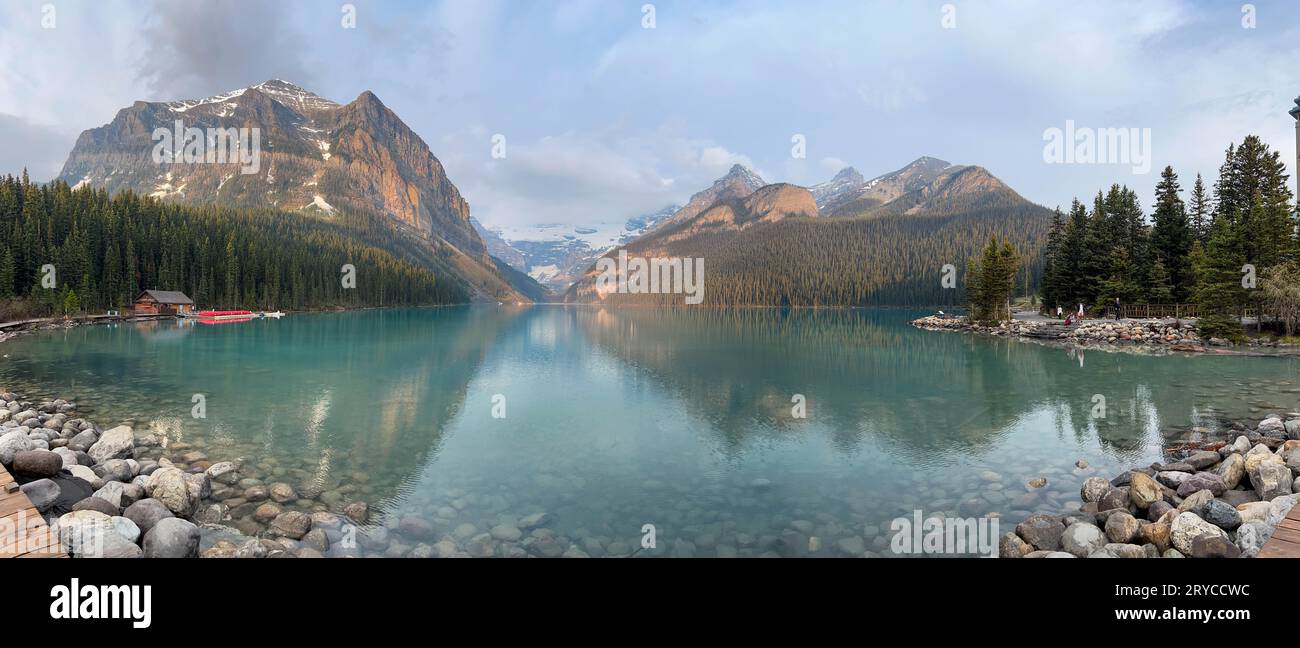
{"type": "Point", "coordinates": [605, 119]}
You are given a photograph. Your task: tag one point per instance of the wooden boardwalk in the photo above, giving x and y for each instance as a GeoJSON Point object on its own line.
{"type": "Point", "coordinates": [23, 532]}
{"type": "Point", "coordinates": [1285, 542]}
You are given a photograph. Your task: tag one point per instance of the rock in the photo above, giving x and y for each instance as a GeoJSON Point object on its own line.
{"type": "Point", "coordinates": [86, 474]}
{"type": "Point", "coordinates": [1119, 550]}
{"type": "Point", "coordinates": [1158, 509]}
{"type": "Point", "coordinates": [1156, 533]}
{"type": "Point", "coordinates": [93, 503]}
{"type": "Point", "coordinates": [114, 470]}
{"type": "Point", "coordinates": [535, 520]}
{"type": "Point", "coordinates": [1202, 481]}
{"type": "Point", "coordinates": [172, 538]}
{"type": "Point", "coordinates": [43, 493]}
{"type": "Point", "coordinates": [1195, 501]}
{"type": "Point", "coordinates": [1187, 527]}
{"type": "Point", "coordinates": [1115, 498]}
{"type": "Point", "coordinates": [1253, 511]}
{"type": "Point", "coordinates": [290, 524]}
{"type": "Point", "coordinates": [251, 549]}
{"type": "Point", "coordinates": [1202, 459]}
{"type": "Point", "coordinates": [281, 493]}
{"type": "Point", "coordinates": [255, 493]}
{"type": "Point", "coordinates": [1220, 514]}
{"type": "Point", "coordinates": [146, 513]}
{"type": "Point", "coordinates": [1214, 547]}
{"type": "Point", "coordinates": [112, 493]}
{"type": "Point", "coordinates": [1238, 497]}
{"type": "Point", "coordinates": [1241, 445]}
{"type": "Point", "coordinates": [1270, 478]}
{"type": "Point", "coordinates": [1093, 489]}
{"type": "Point", "coordinates": [223, 472]}
{"type": "Point", "coordinates": [358, 511]}
{"type": "Point", "coordinates": [37, 463]}
{"type": "Point", "coordinates": [1272, 427]}
{"type": "Point", "coordinates": [82, 441]}
{"type": "Point", "coordinates": [200, 486]}
{"type": "Point", "coordinates": [126, 528]}
{"type": "Point", "coordinates": [1172, 478]}
{"type": "Point", "coordinates": [1143, 491]}
{"type": "Point", "coordinates": [266, 512]}
{"type": "Point", "coordinates": [1279, 507]}
{"type": "Point", "coordinates": [1011, 546]}
{"type": "Point", "coordinates": [316, 539]}
{"type": "Point", "coordinates": [1121, 527]}
{"type": "Point", "coordinates": [91, 534]}
{"type": "Point", "coordinates": [170, 486]}
{"type": "Point", "coordinates": [1037, 483]}
{"type": "Point", "coordinates": [116, 443]}
{"type": "Point", "coordinates": [1081, 539]}
{"type": "Point", "coordinates": [1042, 531]}
{"type": "Point", "coordinates": [11, 443]}
{"type": "Point", "coordinates": [1231, 470]}
{"type": "Point", "coordinates": [1251, 537]}
{"type": "Point", "coordinates": [506, 533]}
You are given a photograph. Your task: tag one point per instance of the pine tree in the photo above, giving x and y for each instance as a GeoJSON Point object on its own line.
{"type": "Point", "coordinates": [1202, 210]}
{"type": "Point", "coordinates": [1171, 237]}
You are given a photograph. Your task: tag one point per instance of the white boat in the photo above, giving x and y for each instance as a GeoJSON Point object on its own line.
{"type": "Point", "coordinates": [275, 314]}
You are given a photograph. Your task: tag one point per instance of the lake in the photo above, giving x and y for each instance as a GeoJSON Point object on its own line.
{"type": "Point", "coordinates": [610, 420]}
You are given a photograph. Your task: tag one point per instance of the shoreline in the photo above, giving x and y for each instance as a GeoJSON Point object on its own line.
{"type": "Point", "coordinates": [1154, 337]}
{"type": "Point", "coordinates": [1222, 499]}
{"type": "Point", "coordinates": [123, 493]}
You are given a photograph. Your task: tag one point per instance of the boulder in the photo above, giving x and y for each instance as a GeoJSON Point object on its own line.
{"type": "Point", "coordinates": [1202, 459]}
{"type": "Point", "coordinates": [172, 538]}
{"type": "Point", "coordinates": [93, 503]}
{"type": "Point", "coordinates": [1202, 481]}
{"type": "Point", "coordinates": [1188, 527]}
{"type": "Point", "coordinates": [82, 441]}
{"type": "Point", "coordinates": [11, 443]}
{"type": "Point", "coordinates": [1270, 477]}
{"type": "Point", "coordinates": [290, 524]}
{"type": "Point", "coordinates": [1156, 533]}
{"type": "Point", "coordinates": [1082, 540]}
{"type": "Point", "coordinates": [281, 493]}
{"type": "Point", "coordinates": [1115, 498]}
{"type": "Point", "coordinates": [43, 493]}
{"type": "Point", "coordinates": [1143, 491]}
{"type": "Point", "coordinates": [116, 443]}
{"type": "Point", "coordinates": [1231, 470]}
{"type": "Point", "coordinates": [1121, 527]}
{"type": "Point", "coordinates": [146, 513]}
{"type": "Point", "coordinates": [1093, 489]}
{"type": "Point", "coordinates": [1214, 547]}
{"type": "Point", "coordinates": [1009, 546]}
{"type": "Point", "coordinates": [37, 463]}
{"type": "Point", "coordinates": [1221, 514]}
{"type": "Point", "coordinates": [1042, 531]}
{"type": "Point", "coordinates": [91, 534]}
{"type": "Point", "coordinates": [170, 486]}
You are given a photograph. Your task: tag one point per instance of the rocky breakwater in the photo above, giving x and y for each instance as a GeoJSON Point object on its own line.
{"type": "Point", "coordinates": [1222, 500]}
{"type": "Point", "coordinates": [123, 494]}
{"type": "Point", "coordinates": [1177, 337]}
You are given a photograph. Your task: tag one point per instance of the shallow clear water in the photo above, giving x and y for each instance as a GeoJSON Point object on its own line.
{"type": "Point", "coordinates": [617, 419]}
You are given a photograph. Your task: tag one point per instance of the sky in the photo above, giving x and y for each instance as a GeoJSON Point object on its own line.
{"type": "Point", "coordinates": [610, 109]}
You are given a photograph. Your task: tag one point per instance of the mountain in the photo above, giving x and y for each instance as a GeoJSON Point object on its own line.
{"type": "Point", "coordinates": [847, 195]}
{"type": "Point", "coordinates": [879, 242]}
{"type": "Point", "coordinates": [316, 157]}
{"type": "Point", "coordinates": [738, 183]}
{"type": "Point", "coordinates": [556, 262]}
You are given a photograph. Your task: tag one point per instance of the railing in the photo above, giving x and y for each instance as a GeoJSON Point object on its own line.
{"type": "Point", "coordinates": [1159, 311]}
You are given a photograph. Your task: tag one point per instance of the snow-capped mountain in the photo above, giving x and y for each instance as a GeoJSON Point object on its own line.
{"type": "Point", "coordinates": [313, 156]}
{"type": "Point", "coordinates": [844, 182]}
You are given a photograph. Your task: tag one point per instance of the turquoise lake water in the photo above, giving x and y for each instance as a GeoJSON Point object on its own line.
{"type": "Point", "coordinates": [615, 419]}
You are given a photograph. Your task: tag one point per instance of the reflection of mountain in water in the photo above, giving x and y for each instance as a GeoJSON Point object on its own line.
{"type": "Point", "coordinates": [868, 376]}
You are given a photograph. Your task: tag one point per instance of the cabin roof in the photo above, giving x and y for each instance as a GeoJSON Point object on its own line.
{"type": "Point", "coordinates": [166, 297]}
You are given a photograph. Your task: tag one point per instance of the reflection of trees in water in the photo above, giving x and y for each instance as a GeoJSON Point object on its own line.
{"type": "Point", "coordinates": [868, 375]}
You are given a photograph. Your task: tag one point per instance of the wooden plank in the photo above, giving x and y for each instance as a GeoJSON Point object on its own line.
{"type": "Point", "coordinates": [1289, 535]}
{"type": "Point", "coordinates": [33, 537]}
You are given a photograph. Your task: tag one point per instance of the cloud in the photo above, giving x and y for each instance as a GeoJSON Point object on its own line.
{"type": "Point", "coordinates": [39, 149]}
{"type": "Point", "coordinates": [195, 49]}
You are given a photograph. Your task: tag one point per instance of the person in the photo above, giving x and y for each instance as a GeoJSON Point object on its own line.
{"type": "Point", "coordinates": [1117, 309]}
{"type": "Point", "coordinates": [1080, 310]}
{"type": "Point", "coordinates": [1068, 321]}
{"type": "Point", "coordinates": [1059, 310]}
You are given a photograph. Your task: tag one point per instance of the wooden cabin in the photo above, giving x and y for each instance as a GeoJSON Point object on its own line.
{"type": "Point", "coordinates": [163, 302]}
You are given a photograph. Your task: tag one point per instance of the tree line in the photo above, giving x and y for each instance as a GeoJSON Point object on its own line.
{"type": "Point", "coordinates": [68, 250]}
{"type": "Point", "coordinates": [1213, 250]}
